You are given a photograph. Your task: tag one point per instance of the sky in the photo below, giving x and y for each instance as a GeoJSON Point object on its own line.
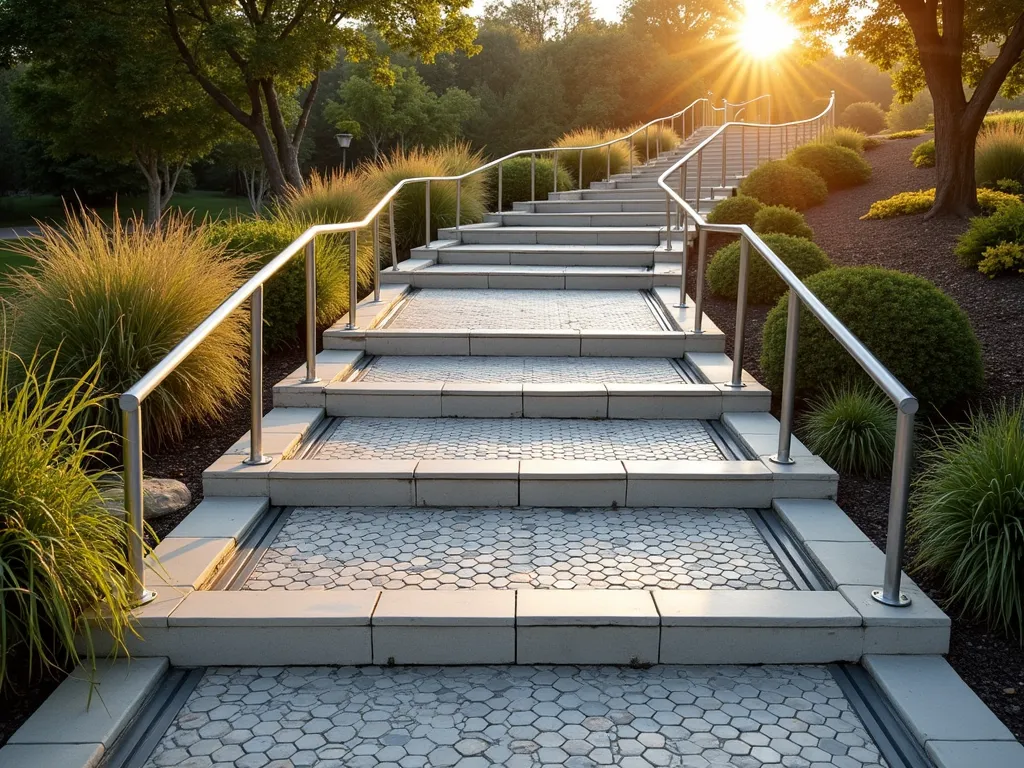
{"type": "Point", "coordinates": [603, 9]}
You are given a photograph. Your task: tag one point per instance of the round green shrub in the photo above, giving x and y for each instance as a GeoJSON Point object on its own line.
{"type": "Point", "coordinates": [740, 209]}
{"type": "Point", "coordinates": [967, 516]}
{"type": "Point", "coordinates": [923, 155]}
{"type": "Point", "coordinates": [914, 329]}
{"type": "Point", "coordinates": [853, 428]}
{"type": "Point", "coordinates": [1005, 225]}
{"type": "Point", "coordinates": [764, 285]}
{"type": "Point", "coordinates": [841, 168]}
{"type": "Point", "coordinates": [865, 116]}
{"type": "Point", "coordinates": [284, 300]}
{"type": "Point", "coordinates": [779, 182]}
{"type": "Point", "coordinates": [515, 180]}
{"type": "Point", "coordinates": [850, 138]}
{"type": "Point", "coordinates": [782, 220]}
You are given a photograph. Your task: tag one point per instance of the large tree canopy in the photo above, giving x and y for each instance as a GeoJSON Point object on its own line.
{"type": "Point", "coordinates": [965, 52]}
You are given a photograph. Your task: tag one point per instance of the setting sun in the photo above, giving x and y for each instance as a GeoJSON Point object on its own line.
{"type": "Point", "coordinates": [764, 33]}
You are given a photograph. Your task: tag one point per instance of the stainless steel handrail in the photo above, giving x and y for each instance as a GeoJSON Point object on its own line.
{"type": "Point", "coordinates": [131, 401]}
{"type": "Point", "coordinates": [906, 404]}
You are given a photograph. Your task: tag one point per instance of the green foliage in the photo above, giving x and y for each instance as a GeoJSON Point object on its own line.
{"type": "Point", "coordinates": [330, 198]}
{"type": "Point", "coordinates": [62, 554]}
{"type": "Point", "coordinates": [779, 182]}
{"type": "Point", "coordinates": [126, 295]}
{"type": "Point", "coordinates": [783, 220]}
{"type": "Point", "coordinates": [284, 300]}
{"type": "Point", "coordinates": [669, 140]}
{"type": "Point", "coordinates": [914, 329]}
{"type": "Point", "coordinates": [911, 116]}
{"type": "Point", "coordinates": [872, 142]}
{"type": "Point", "coordinates": [865, 116]}
{"type": "Point", "coordinates": [999, 154]}
{"type": "Point", "coordinates": [840, 167]}
{"type": "Point", "coordinates": [1010, 187]}
{"type": "Point", "coordinates": [923, 155]}
{"type": "Point", "coordinates": [967, 516]}
{"type": "Point", "coordinates": [850, 138]}
{"type": "Point", "coordinates": [853, 428]}
{"type": "Point", "coordinates": [912, 134]}
{"type": "Point", "coordinates": [515, 180]}
{"type": "Point", "coordinates": [1006, 225]}
{"type": "Point", "coordinates": [595, 161]}
{"type": "Point", "coordinates": [740, 209]}
{"type": "Point", "coordinates": [410, 204]}
{"type": "Point", "coordinates": [1005, 257]}
{"type": "Point", "coordinates": [910, 203]}
{"type": "Point", "coordinates": [996, 119]}
{"type": "Point", "coordinates": [763, 284]}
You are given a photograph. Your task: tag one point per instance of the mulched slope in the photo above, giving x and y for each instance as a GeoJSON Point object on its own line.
{"type": "Point", "coordinates": [990, 663]}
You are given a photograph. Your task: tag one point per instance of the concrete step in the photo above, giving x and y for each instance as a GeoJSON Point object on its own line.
{"type": "Point", "coordinates": [536, 254]}
{"type": "Point", "coordinates": [524, 277]}
{"type": "Point", "coordinates": [555, 235]}
{"type": "Point", "coordinates": [654, 204]}
{"type": "Point", "coordinates": [599, 219]}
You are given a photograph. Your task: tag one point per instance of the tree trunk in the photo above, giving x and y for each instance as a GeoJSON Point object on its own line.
{"type": "Point", "coordinates": [955, 190]}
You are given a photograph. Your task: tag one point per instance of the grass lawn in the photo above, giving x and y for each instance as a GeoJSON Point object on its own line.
{"type": "Point", "coordinates": [9, 260]}
{"type": "Point", "coordinates": [22, 211]}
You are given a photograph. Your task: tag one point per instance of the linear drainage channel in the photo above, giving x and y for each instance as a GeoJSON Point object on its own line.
{"type": "Point", "coordinates": [484, 720]}
{"type": "Point", "coordinates": [773, 562]}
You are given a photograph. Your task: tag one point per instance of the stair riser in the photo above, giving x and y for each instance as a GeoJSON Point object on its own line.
{"type": "Point", "coordinates": [575, 258]}
{"type": "Point", "coordinates": [645, 219]}
{"type": "Point", "coordinates": [644, 281]}
{"type": "Point", "coordinates": [520, 345]}
{"type": "Point", "coordinates": [514, 235]}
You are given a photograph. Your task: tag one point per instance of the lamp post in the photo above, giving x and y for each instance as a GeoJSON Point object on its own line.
{"type": "Point", "coordinates": [344, 141]}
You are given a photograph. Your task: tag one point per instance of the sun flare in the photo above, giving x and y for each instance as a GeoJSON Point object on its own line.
{"type": "Point", "coordinates": [764, 33]}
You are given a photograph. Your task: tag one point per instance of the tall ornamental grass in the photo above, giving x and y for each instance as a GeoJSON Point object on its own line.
{"type": "Point", "coordinates": [668, 137]}
{"type": "Point", "coordinates": [595, 161]}
{"type": "Point", "coordinates": [967, 516]}
{"type": "Point", "coordinates": [410, 204]}
{"type": "Point", "coordinates": [62, 554]}
{"type": "Point", "coordinates": [853, 428]}
{"type": "Point", "coordinates": [330, 198]}
{"type": "Point", "coordinates": [999, 154]}
{"type": "Point", "coordinates": [851, 138]}
{"type": "Point", "coordinates": [515, 180]}
{"type": "Point", "coordinates": [125, 295]}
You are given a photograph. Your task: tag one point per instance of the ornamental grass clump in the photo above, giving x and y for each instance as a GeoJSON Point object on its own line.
{"type": "Point", "coordinates": [911, 134]}
{"type": "Point", "coordinates": [410, 203]}
{"type": "Point", "coordinates": [782, 220]}
{"type": "Point", "coordinates": [595, 161]}
{"type": "Point", "coordinates": [967, 516]}
{"type": "Point", "coordinates": [125, 295]}
{"type": "Point", "coordinates": [515, 180]}
{"type": "Point", "coordinates": [852, 427]}
{"type": "Point", "coordinates": [763, 284]}
{"type": "Point", "coordinates": [257, 241]}
{"type": "Point", "coordinates": [840, 167]}
{"type": "Point", "coordinates": [999, 154]}
{"type": "Point", "coordinates": [62, 554]}
{"type": "Point", "coordinates": [329, 198]}
{"type": "Point", "coordinates": [740, 209]}
{"type": "Point", "coordinates": [780, 182]}
{"type": "Point", "coordinates": [650, 138]}
{"type": "Point", "coordinates": [850, 138]}
{"type": "Point", "coordinates": [923, 155]}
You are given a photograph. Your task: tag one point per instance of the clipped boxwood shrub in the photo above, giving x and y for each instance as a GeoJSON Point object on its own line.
{"type": "Point", "coordinates": [865, 116]}
{"type": "Point", "coordinates": [740, 209]}
{"type": "Point", "coordinates": [923, 155]}
{"type": "Point", "coordinates": [783, 220]}
{"type": "Point", "coordinates": [764, 286]}
{"type": "Point", "coordinates": [284, 300]}
{"type": "Point", "coordinates": [915, 330]}
{"type": "Point", "coordinates": [515, 181]}
{"type": "Point", "coordinates": [967, 516]}
{"type": "Point", "coordinates": [853, 428]}
{"type": "Point", "coordinates": [780, 182]}
{"type": "Point", "coordinates": [840, 167]}
{"type": "Point", "coordinates": [1006, 225]}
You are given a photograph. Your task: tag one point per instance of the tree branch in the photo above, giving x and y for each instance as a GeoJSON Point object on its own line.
{"type": "Point", "coordinates": [1009, 55]}
{"type": "Point", "coordinates": [276, 119]}
{"type": "Point", "coordinates": [307, 107]}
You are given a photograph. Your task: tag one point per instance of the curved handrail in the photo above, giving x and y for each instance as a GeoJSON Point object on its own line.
{"type": "Point", "coordinates": [799, 294]}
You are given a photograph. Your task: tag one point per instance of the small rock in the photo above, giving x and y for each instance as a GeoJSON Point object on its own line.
{"type": "Point", "coordinates": [160, 497]}
{"type": "Point", "coordinates": [1009, 691]}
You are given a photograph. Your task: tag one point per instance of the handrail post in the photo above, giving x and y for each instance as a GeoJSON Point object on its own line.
{"type": "Point", "coordinates": [668, 222]}
{"type": "Point", "coordinates": [725, 153]}
{"type": "Point", "coordinates": [554, 171]}
{"type": "Point", "coordinates": [581, 171]}
{"type": "Point", "coordinates": [631, 155]}
{"type": "Point", "coordinates": [133, 499]}
{"type": "Point", "coordinates": [427, 216]}
{"type": "Point", "coordinates": [391, 228]}
{"type": "Point", "coordinates": [311, 377]}
{"type": "Point", "coordinates": [458, 203]}
{"type": "Point", "coordinates": [608, 162]}
{"type": "Point", "coordinates": [647, 145]}
{"type": "Point", "coordinates": [533, 177]}
{"type": "Point", "coordinates": [743, 150]}
{"type": "Point", "coordinates": [684, 219]}
{"type": "Point", "coordinates": [769, 109]}
{"type": "Point", "coordinates": [789, 381]}
{"type": "Point", "coordinates": [895, 537]}
{"type": "Point", "coordinates": [700, 171]}
{"type": "Point", "coordinates": [256, 456]}
{"type": "Point", "coordinates": [657, 140]}
{"type": "Point", "coordinates": [702, 257]}
{"type": "Point", "coordinates": [725, 111]}
{"type": "Point", "coordinates": [500, 187]}
{"type": "Point", "coordinates": [353, 291]}
{"type": "Point", "coordinates": [376, 258]}
{"type": "Point", "coordinates": [741, 316]}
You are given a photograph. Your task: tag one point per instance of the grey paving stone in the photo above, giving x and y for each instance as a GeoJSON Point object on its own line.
{"type": "Point", "coordinates": [522, 548]}
{"type": "Point", "coordinates": [561, 439]}
{"type": "Point", "coordinates": [496, 309]}
{"type": "Point", "coordinates": [431, 706]}
{"type": "Point", "coordinates": [525, 370]}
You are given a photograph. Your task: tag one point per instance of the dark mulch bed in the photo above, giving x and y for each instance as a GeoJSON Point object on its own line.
{"type": "Point", "coordinates": [989, 662]}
